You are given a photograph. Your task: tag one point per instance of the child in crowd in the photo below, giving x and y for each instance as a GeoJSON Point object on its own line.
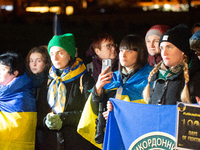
{"type": "Point", "coordinates": [37, 67]}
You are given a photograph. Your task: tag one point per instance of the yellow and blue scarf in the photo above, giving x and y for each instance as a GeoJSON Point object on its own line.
{"type": "Point", "coordinates": [132, 90]}
{"type": "Point", "coordinates": [57, 90]}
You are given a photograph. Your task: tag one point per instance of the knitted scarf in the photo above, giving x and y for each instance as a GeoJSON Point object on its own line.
{"type": "Point", "coordinates": [164, 73]}
{"type": "Point", "coordinates": [153, 60]}
{"type": "Point", "coordinates": [57, 90]}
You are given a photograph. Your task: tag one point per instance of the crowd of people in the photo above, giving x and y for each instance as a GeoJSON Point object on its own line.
{"type": "Point", "coordinates": [53, 84]}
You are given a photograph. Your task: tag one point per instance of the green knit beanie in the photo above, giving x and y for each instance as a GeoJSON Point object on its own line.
{"type": "Point", "coordinates": [65, 41]}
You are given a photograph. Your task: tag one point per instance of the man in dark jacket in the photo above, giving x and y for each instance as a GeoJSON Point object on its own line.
{"type": "Point", "coordinates": [63, 97]}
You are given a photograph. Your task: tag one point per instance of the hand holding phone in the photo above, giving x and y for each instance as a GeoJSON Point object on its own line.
{"type": "Point", "coordinates": [105, 64]}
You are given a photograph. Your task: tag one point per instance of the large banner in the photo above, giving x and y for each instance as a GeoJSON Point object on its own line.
{"type": "Point", "coordinates": [133, 126]}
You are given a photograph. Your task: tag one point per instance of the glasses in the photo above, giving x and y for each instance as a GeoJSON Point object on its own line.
{"type": "Point", "coordinates": [109, 46]}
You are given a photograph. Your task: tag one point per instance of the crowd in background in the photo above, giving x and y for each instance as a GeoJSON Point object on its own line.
{"type": "Point", "coordinates": [53, 83]}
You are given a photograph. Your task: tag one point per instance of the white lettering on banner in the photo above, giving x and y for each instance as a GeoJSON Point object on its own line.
{"type": "Point", "coordinates": [154, 140]}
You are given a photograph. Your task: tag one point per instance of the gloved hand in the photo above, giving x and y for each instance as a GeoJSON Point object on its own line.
{"type": "Point", "coordinates": [53, 121]}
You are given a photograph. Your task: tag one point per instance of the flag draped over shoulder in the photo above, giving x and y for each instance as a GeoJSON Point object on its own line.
{"type": "Point", "coordinates": [87, 127]}
{"type": "Point", "coordinates": [134, 86]}
{"type": "Point", "coordinates": [18, 115]}
{"type": "Point", "coordinates": [132, 92]}
{"type": "Point", "coordinates": [133, 126]}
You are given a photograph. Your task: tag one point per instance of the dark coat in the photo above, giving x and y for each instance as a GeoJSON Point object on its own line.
{"type": "Point", "coordinates": [75, 102]}
{"type": "Point", "coordinates": [168, 92]}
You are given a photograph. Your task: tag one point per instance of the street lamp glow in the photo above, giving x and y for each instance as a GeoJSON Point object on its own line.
{"type": "Point", "coordinates": [69, 10]}
{"type": "Point", "coordinates": [156, 6]}
{"type": "Point", "coordinates": [55, 9]}
{"type": "Point", "coordinates": [167, 6]}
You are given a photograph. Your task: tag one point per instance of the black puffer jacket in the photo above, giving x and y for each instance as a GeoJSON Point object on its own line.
{"type": "Point", "coordinates": [75, 102]}
{"type": "Point", "coordinates": [168, 92]}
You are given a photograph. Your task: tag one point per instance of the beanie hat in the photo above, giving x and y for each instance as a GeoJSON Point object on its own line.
{"type": "Point", "coordinates": [195, 41]}
{"type": "Point", "coordinates": [157, 30]}
{"type": "Point", "coordinates": [65, 41]}
{"type": "Point", "coordinates": [178, 36]}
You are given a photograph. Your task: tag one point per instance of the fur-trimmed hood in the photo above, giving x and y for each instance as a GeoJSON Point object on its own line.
{"type": "Point", "coordinates": [195, 42]}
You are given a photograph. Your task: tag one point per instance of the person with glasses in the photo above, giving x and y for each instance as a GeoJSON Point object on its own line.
{"type": "Point", "coordinates": [102, 47]}
{"type": "Point", "coordinates": [129, 81]}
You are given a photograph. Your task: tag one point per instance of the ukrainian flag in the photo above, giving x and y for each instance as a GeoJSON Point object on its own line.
{"type": "Point", "coordinates": [87, 125]}
{"type": "Point", "coordinates": [132, 92]}
{"type": "Point", "coordinates": [18, 115]}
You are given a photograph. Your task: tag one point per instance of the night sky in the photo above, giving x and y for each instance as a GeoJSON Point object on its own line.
{"type": "Point", "coordinates": [30, 30]}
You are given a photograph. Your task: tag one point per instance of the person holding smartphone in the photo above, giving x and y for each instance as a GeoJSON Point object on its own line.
{"type": "Point", "coordinates": [129, 81]}
{"type": "Point", "coordinates": [102, 47]}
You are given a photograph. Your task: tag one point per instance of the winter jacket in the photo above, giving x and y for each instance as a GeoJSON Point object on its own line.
{"type": "Point", "coordinates": [168, 91]}
{"type": "Point", "coordinates": [67, 137]}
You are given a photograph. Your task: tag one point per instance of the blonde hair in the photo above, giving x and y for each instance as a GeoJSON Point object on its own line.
{"type": "Point", "coordinates": [146, 91]}
{"type": "Point", "coordinates": [185, 96]}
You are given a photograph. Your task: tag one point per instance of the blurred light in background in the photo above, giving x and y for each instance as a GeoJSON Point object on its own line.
{"type": "Point", "coordinates": [42, 9]}
{"type": "Point", "coordinates": [84, 4]}
{"type": "Point", "coordinates": [69, 10]}
{"type": "Point", "coordinates": [55, 9]}
{"type": "Point", "coordinates": [7, 7]}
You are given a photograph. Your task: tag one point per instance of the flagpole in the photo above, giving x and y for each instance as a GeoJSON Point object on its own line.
{"type": "Point", "coordinates": [55, 26]}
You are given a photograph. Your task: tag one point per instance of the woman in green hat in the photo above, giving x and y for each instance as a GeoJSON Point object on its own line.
{"type": "Point", "coordinates": [63, 97]}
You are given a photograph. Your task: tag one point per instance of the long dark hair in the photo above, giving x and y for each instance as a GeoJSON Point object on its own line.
{"type": "Point", "coordinates": [137, 43]}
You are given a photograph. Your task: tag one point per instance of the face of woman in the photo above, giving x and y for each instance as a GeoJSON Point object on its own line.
{"type": "Point", "coordinates": [152, 43]}
{"type": "Point", "coordinates": [59, 57]}
{"type": "Point", "coordinates": [36, 63]}
{"type": "Point", "coordinates": [107, 50]}
{"type": "Point", "coordinates": [128, 58]}
{"type": "Point", "coordinates": [5, 76]}
{"type": "Point", "coordinates": [171, 55]}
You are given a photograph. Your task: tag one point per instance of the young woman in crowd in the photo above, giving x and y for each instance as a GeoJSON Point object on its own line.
{"type": "Point", "coordinates": [176, 78]}
{"type": "Point", "coordinates": [37, 67]}
{"type": "Point", "coordinates": [129, 81]}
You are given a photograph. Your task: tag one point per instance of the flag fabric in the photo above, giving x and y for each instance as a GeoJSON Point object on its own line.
{"type": "Point", "coordinates": [132, 89]}
{"type": "Point", "coordinates": [134, 126]}
{"type": "Point", "coordinates": [87, 126]}
{"type": "Point", "coordinates": [56, 25]}
{"type": "Point", "coordinates": [18, 115]}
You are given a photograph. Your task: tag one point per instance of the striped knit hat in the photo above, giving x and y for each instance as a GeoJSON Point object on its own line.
{"type": "Point", "coordinates": [157, 30]}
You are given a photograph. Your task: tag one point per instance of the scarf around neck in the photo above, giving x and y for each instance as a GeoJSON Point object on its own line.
{"type": "Point", "coordinates": [56, 95]}
{"type": "Point", "coordinates": [164, 73]}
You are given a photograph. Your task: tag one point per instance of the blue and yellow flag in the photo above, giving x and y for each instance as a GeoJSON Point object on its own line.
{"type": "Point", "coordinates": [133, 126]}
{"type": "Point", "coordinates": [87, 126]}
{"type": "Point", "coordinates": [134, 86]}
{"type": "Point", "coordinates": [18, 115]}
{"type": "Point", "coordinates": [131, 92]}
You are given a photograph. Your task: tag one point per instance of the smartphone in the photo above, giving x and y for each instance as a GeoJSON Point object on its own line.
{"type": "Point", "coordinates": [105, 64]}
